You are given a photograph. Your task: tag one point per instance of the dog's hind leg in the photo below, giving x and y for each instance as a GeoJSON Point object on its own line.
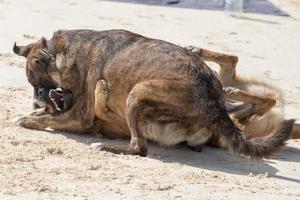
{"type": "Point", "coordinates": [227, 63]}
{"type": "Point", "coordinates": [296, 131]}
{"type": "Point", "coordinates": [155, 112]}
{"type": "Point", "coordinates": [255, 105]}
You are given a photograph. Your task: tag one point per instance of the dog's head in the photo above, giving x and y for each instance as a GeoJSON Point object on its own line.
{"type": "Point", "coordinates": [41, 70]}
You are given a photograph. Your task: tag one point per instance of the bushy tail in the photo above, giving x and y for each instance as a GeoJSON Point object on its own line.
{"type": "Point", "coordinates": [255, 148]}
{"type": "Point", "coordinates": [207, 93]}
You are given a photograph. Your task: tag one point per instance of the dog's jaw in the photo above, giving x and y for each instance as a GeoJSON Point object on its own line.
{"type": "Point", "coordinates": [56, 95]}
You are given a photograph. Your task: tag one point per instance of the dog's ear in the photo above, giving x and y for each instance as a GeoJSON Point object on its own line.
{"type": "Point", "coordinates": [22, 50]}
{"type": "Point", "coordinates": [42, 43]}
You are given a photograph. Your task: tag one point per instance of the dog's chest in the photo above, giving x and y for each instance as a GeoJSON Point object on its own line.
{"type": "Point", "coordinates": [59, 61]}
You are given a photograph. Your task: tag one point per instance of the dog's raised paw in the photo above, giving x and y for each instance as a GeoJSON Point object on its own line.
{"type": "Point", "coordinates": [101, 91]}
{"type": "Point", "coordinates": [101, 85]}
{"type": "Point", "coordinates": [193, 49]}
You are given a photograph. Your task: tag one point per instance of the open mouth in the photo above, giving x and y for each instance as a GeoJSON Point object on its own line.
{"type": "Point", "coordinates": [56, 96]}
{"type": "Point", "coordinates": [61, 99]}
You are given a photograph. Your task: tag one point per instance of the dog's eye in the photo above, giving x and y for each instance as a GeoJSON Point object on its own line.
{"type": "Point", "coordinates": [40, 62]}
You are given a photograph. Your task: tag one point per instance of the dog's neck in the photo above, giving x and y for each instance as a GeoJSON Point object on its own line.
{"type": "Point", "coordinates": [51, 48]}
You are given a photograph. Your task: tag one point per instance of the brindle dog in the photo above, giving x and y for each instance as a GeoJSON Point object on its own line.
{"type": "Point", "coordinates": [160, 91]}
{"type": "Point", "coordinates": [256, 107]}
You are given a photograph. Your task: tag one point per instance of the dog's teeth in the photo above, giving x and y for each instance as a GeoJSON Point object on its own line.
{"type": "Point", "coordinates": [57, 108]}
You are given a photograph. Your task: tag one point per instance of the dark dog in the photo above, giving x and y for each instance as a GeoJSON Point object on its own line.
{"type": "Point", "coordinates": [160, 91]}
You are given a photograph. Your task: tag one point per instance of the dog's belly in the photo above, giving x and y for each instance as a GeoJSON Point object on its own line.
{"type": "Point", "coordinates": [174, 133]}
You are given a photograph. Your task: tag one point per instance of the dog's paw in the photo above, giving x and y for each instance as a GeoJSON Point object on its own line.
{"type": "Point", "coordinates": [193, 49]}
{"type": "Point", "coordinates": [196, 148]}
{"type": "Point", "coordinates": [101, 91]}
{"type": "Point", "coordinates": [230, 90]}
{"type": "Point", "coordinates": [18, 120]}
{"type": "Point", "coordinates": [24, 121]}
{"type": "Point", "coordinates": [104, 147]}
{"type": "Point", "coordinates": [101, 86]}
{"type": "Point", "coordinates": [97, 145]}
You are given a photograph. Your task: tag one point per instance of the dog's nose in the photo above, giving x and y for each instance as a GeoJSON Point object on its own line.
{"type": "Point", "coordinates": [41, 92]}
{"type": "Point", "coordinates": [35, 105]}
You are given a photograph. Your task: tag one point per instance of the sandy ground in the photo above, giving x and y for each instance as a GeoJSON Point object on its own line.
{"type": "Point", "coordinates": [47, 165]}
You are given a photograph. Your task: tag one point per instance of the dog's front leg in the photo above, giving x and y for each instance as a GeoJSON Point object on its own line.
{"type": "Point", "coordinates": [79, 119]}
{"type": "Point", "coordinates": [61, 122]}
{"type": "Point", "coordinates": [40, 112]}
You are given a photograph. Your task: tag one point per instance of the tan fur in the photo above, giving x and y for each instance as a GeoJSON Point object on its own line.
{"type": "Point", "coordinates": [148, 80]}
{"type": "Point", "coordinates": [168, 135]}
{"type": "Point", "coordinates": [267, 98]}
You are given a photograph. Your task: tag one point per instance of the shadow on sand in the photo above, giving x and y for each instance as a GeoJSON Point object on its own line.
{"type": "Point", "coordinates": [250, 6]}
{"type": "Point", "coordinates": [214, 159]}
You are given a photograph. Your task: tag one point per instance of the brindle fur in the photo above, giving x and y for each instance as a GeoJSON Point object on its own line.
{"type": "Point", "coordinates": [258, 115]}
{"type": "Point", "coordinates": [263, 108]}
{"type": "Point", "coordinates": [162, 91]}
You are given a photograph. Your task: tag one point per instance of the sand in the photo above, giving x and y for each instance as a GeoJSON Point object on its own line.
{"type": "Point", "coordinates": [57, 165]}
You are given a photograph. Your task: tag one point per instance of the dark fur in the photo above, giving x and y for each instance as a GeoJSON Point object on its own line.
{"type": "Point", "coordinates": [150, 82]}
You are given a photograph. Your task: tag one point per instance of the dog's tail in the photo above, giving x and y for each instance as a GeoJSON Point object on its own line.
{"type": "Point", "coordinates": [256, 148]}
{"type": "Point", "coordinates": [207, 95]}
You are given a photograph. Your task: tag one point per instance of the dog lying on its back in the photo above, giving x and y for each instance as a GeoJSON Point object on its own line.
{"type": "Point", "coordinates": [262, 108]}
{"type": "Point", "coordinates": [157, 90]}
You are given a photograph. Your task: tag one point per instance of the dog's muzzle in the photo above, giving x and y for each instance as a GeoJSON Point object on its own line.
{"type": "Point", "coordinates": [38, 104]}
{"type": "Point", "coordinates": [38, 98]}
